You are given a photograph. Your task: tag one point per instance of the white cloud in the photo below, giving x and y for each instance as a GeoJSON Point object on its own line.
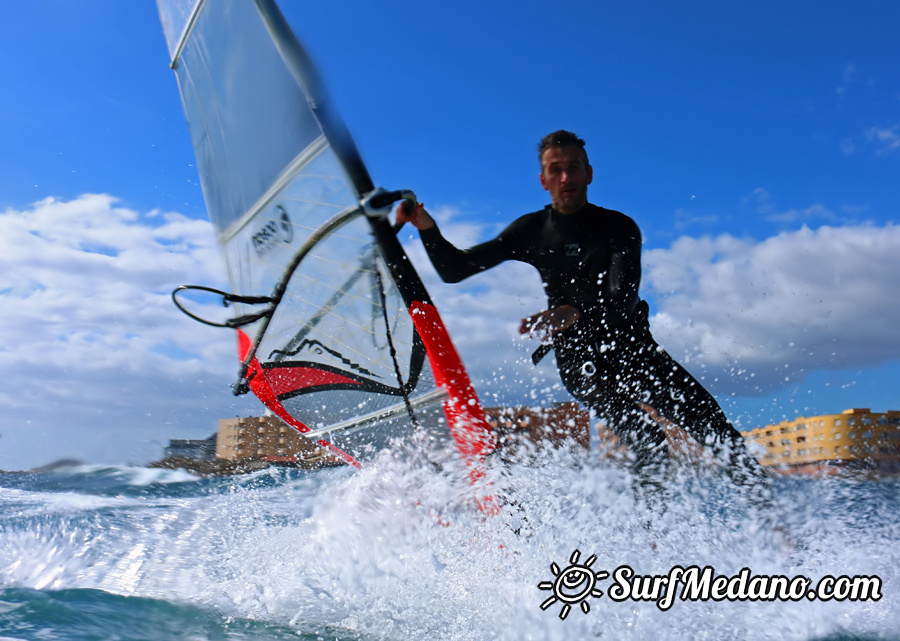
{"type": "Point", "coordinates": [883, 140]}
{"type": "Point", "coordinates": [765, 205]}
{"type": "Point", "coordinates": [799, 301]}
{"type": "Point", "coordinates": [887, 139]}
{"type": "Point", "coordinates": [747, 316]}
{"type": "Point", "coordinates": [849, 72]}
{"type": "Point", "coordinates": [98, 363]}
{"type": "Point", "coordinates": [91, 348]}
{"type": "Point", "coordinates": [848, 77]}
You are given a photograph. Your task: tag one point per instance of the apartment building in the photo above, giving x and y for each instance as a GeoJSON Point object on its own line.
{"type": "Point", "coordinates": [856, 438]}
{"type": "Point", "coordinates": [267, 438]}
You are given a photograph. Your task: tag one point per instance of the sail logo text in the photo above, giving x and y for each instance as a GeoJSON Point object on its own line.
{"type": "Point", "coordinates": [273, 232]}
{"type": "Point", "coordinates": [578, 582]}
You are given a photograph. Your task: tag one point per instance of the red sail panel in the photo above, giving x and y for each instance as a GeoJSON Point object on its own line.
{"type": "Point", "coordinates": [262, 387]}
{"type": "Point", "coordinates": [285, 380]}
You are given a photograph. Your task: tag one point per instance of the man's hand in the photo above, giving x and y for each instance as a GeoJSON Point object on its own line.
{"type": "Point", "coordinates": [417, 215]}
{"type": "Point", "coordinates": [548, 323]}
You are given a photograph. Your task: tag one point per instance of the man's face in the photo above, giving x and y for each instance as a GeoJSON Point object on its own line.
{"type": "Point", "coordinates": [566, 175]}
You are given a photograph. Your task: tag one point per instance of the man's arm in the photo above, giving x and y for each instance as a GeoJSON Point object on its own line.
{"type": "Point", "coordinates": [451, 263]}
{"type": "Point", "coordinates": [626, 264]}
{"type": "Point", "coordinates": [623, 283]}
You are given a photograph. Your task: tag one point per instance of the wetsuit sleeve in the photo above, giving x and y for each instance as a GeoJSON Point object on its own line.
{"type": "Point", "coordinates": [453, 264]}
{"type": "Point", "coordinates": [620, 278]}
{"type": "Point", "coordinates": [625, 270]}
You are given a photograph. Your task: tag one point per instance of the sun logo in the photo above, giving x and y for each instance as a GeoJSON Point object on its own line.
{"type": "Point", "coordinates": [576, 584]}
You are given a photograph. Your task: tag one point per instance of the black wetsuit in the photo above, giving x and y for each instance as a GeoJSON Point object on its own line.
{"type": "Point", "coordinates": [608, 360]}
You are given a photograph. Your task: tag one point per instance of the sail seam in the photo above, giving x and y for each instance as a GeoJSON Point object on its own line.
{"type": "Point", "coordinates": [188, 28]}
{"type": "Point", "coordinates": [290, 172]}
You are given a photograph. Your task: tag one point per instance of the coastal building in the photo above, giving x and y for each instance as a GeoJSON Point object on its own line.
{"type": "Point", "coordinates": [267, 438]}
{"type": "Point", "coordinates": [198, 449]}
{"type": "Point", "coordinates": [541, 425]}
{"type": "Point", "coordinates": [569, 420]}
{"type": "Point", "coordinates": [856, 439]}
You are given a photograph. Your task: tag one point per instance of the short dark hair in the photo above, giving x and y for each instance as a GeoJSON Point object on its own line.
{"type": "Point", "coordinates": [561, 138]}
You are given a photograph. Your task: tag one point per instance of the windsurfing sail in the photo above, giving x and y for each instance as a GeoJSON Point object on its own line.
{"type": "Point", "coordinates": [336, 333]}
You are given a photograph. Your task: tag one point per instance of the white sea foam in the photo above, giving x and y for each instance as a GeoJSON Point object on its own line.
{"type": "Point", "coordinates": [134, 475]}
{"type": "Point", "coordinates": [397, 550]}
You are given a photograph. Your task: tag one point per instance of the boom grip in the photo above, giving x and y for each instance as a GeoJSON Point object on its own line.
{"type": "Point", "coordinates": [385, 199]}
{"type": "Point", "coordinates": [379, 202]}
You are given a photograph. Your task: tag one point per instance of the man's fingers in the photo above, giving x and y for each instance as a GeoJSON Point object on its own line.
{"type": "Point", "coordinates": [533, 323]}
{"type": "Point", "coordinates": [550, 321]}
{"type": "Point", "coordinates": [408, 211]}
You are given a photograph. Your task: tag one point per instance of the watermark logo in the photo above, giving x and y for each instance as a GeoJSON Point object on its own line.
{"type": "Point", "coordinates": [578, 583]}
{"type": "Point", "coordinates": [574, 585]}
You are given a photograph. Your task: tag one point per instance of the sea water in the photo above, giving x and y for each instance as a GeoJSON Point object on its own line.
{"type": "Point", "coordinates": [398, 550]}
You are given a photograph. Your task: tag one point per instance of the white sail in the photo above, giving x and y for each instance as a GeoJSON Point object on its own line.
{"type": "Point", "coordinates": [348, 337]}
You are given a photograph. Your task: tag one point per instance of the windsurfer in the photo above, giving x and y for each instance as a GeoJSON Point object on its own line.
{"type": "Point", "coordinates": [589, 259]}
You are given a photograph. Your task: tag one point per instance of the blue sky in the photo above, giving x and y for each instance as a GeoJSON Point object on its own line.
{"type": "Point", "coordinates": [757, 146]}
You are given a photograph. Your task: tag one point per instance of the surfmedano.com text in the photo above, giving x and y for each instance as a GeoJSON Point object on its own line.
{"type": "Point", "coordinates": [702, 584]}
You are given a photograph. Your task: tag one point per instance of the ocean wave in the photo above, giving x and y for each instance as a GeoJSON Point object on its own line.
{"type": "Point", "coordinates": [397, 550]}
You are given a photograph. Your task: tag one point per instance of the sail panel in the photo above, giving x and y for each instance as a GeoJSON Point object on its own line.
{"type": "Point", "coordinates": [247, 116]}
{"type": "Point", "coordinates": [260, 245]}
{"type": "Point", "coordinates": [346, 334]}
